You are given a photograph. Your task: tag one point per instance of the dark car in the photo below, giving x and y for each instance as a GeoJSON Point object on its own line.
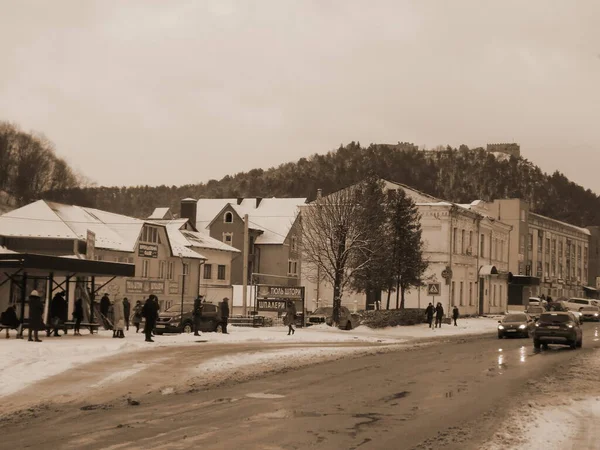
{"type": "Point", "coordinates": [591, 313]}
{"type": "Point", "coordinates": [172, 321]}
{"type": "Point", "coordinates": [561, 328]}
{"type": "Point", "coordinates": [515, 325]}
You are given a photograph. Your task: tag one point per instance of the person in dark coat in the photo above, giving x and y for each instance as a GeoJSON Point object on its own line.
{"type": "Point", "coordinates": [127, 312]}
{"type": "Point", "coordinates": [290, 317]}
{"type": "Point", "coordinates": [58, 311]}
{"type": "Point", "coordinates": [197, 315]}
{"type": "Point", "coordinates": [137, 315]}
{"type": "Point", "coordinates": [455, 314]}
{"type": "Point", "coordinates": [439, 315]}
{"type": "Point", "coordinates": [225, 314]}
{"type": "Point", "coordinates": [104, 307]}
{"type": "Point", "coordinates": [150, 313]}
{"type": "Point", "coordinates": [36, 312]}
{"type": "Point", "coordinates": [78, 316]}
{"type": "Point", "coordinates": [9, 319]}
{"type": "Point", "coordinates": [429, 314]}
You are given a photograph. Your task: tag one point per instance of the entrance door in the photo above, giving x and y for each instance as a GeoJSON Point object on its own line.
{"type": "Point", "coordinates": [481, 295]}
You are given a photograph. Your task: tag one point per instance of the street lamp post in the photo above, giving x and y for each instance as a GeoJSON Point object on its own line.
{"type": "Point", "coordinates": [182, 282]}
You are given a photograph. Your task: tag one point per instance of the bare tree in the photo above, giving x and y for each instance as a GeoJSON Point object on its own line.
{"type": "Point", "coordinates": [337, 239]}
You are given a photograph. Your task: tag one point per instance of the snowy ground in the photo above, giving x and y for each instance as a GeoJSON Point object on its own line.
{"type": "Point", "coordinates": [562, 413]}
{"type": "Point", "coordinates": [23, 363]}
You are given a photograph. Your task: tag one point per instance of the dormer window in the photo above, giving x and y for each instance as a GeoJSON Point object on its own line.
{"type": "Point", "coordinates": [150, 234]}
{"type": "Point", "coordinates": [228, 217]}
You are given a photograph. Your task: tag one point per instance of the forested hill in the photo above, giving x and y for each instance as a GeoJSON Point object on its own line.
{"type": "Point", "coordinates": [460, 175]}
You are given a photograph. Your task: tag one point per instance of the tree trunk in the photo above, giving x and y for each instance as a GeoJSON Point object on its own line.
{"type": "Point", "coordinates": [389, 295]}
{"type": "Point", "coordinates": [403, 289]}
{"type": "Point", "coordinates": [398, 294]}
{"type": "Point", "coordinates": [337, 299]}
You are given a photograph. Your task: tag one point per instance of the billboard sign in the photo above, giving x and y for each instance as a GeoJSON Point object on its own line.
{"type": "Point", "coordinates": [144, 287]}
{"type": "Point", "coordinates": [148, 250]}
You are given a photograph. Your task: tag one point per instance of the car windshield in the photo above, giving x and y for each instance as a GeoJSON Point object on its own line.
{"type": "Point", "coordinates": [535, 309]}
{"type": "Point", "coordinates": [562, 318]}
{"type": "Point", "coordinates": [177, 308]}
{"type": "Point", "coordinates": [515, 318]}
{"type": "Point", "coordinates": [324, 311]}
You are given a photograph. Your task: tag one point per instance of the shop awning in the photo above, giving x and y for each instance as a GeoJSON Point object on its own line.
{"type": "Point", "coordinates": [590, 288]}
{"type": "Point", "coordinates": [488, 270]}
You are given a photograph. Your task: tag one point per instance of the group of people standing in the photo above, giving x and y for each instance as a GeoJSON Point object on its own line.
{"type": "Point", "coordinates": [115, 315]}
{"type": "Point", "coordinates": [438, 313]}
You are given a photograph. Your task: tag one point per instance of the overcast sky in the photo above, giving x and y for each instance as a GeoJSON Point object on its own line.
{"type": "Point", "coordinates": [175, 92]}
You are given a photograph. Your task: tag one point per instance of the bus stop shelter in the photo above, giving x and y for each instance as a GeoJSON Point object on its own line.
{"type": "Point", "coordinates": [27, 271]}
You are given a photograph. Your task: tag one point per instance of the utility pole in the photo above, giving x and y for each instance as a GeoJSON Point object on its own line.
{"type": "Point", "coordinates": [245, 269]}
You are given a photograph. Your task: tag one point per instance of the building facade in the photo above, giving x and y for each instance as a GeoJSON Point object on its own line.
{"type": "Point", "coordinates": [467, 251]}
{"type": "Point", "coordinates": [547, 256]}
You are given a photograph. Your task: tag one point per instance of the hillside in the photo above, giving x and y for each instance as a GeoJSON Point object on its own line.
{"type": "Point", "coordinates": [457, 175]}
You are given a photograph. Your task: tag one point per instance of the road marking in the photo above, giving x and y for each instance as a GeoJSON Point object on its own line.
{"type": "Point", "coordinates": [265, 396]}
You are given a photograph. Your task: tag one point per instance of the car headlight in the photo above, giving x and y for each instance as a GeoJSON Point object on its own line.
{"type": "Point", "coordinates": [596, 314]}
{"type": "Point", "coordinates": [522, 327]}
{"type": "Point", "coordinates": [537, 324]}
{"type": "Point", "coordinates": [570, 326]}
{"type": "Point", "coordinates": [500, 327]}
{"type": "Point", "coordinates": [175, 319]}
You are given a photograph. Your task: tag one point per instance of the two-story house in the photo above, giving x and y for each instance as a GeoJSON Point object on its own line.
{"type": "Point", "coordinates": [273, 235]}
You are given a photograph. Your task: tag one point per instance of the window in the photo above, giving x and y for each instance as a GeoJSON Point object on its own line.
{"type": "Point", "coordinates": [482, 249]}
{"type": "Point", "coordinates": [470, 293]}
{"type": "Point", "coordinates": [161, 269]}
{"type": "Point", "coordinates": [292, 267]}
{"type": "Point", "coordinates": [454, 239]}
{"type": "Point", "coordinates": [539, 269]}
{"type": "Point", "coordinates": [547, 246]}
{"type": "Point", "coordinates": [228, 238]}
{"type": "Point", "coordinates": [294, 244]}
{"type": "Point", "coordinates": [150, 234]}
{"type": "Point", "coordinates": [207, 271]}
{"type": "Point", "coordinates": [462, 242]}
{"type": "Point", "coordinates": [501, 250]}
{"type": "Point", "coordinates": [521, 268]}
{"type": "Point", "coordinates": [530, 242]}
{"type": "Point", "coordinates": [560, 270]}
{"type": "Point", "coordinates": [452, 298]}
{"type": "Point", "coordinates": [186, 269]}
{"type": "Point", "coordinates": [470, 248]}
{"type": "Point", "coordinates": [170, 273]}
{"type": "Point", "coordinates": [461, 294]}
{"type": "Point", "coordinates": [228, 217]}
{"type": "Point", "coordinates": [547, 271]}
{"type": "Point", "coordinates": [553, 273]}
{"type": "Point", "coordinates": [221, 272]}
{"type": "Point", "coordinates": [540, 241]}
{"type": "Point", "coordinates": [145, 268]}
{"type": "Point", "coordinates": [494, 296]}
{"type": "Point", "coordinates": [560, 249]}
{"type": "Point", "coordinates": [522, 244]}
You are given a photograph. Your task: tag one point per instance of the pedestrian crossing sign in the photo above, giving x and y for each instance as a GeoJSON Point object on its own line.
{"type": "Point", "coordinates": [434, 289]}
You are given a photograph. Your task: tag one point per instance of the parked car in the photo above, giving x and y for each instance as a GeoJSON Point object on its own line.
{"type": "Point", "coordinates": [515, 325]}
{"type": "Point", "coordinates": [590, 313]}
{"type": "Point", "coordinates": [535, 311]}
{"type": "Point", "coordinates": [561, 328]}
{"type": "Point", "coordinates": [348, 320]}
{"type": "Point", "coordinates": [172, 321]}
{"type": "Point", "coordinates": [575, 304]}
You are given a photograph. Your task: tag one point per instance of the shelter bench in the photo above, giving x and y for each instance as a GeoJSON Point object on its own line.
{"type": "Point", "coordinates": [70, 325]}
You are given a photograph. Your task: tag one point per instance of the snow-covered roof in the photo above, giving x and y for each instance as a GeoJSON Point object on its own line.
{"type": "Point", "coordinates": [59, 221]}
{"type": "Point", "coordinates": [161, 213]}
{"type": "Point", "coordinates": [564, 224]}
{"type": "Point", "coordinates": [192, 239]}
{"type": "Point", "coordinates": [273, 216]}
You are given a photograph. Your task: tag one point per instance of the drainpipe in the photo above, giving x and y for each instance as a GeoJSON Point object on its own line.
{"type": "Point", "coordinates": [478, 278]}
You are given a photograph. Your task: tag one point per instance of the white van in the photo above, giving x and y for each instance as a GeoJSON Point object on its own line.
{"type": "Point", "coordinates": [574, 304]}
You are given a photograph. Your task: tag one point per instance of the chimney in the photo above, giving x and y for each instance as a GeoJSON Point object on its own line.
{"type": "Point", "coordinates": [188, 210]}
{"type": "Point", "coordinates": [258, 200]}
{"type": "Point", "coordinates": [319, 193]}
{"type": "Point", "coordinates": [240, 200]}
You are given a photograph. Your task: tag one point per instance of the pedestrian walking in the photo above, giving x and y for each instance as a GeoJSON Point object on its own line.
{"type": "Point", "coordinates": [197, 314]}
{"type": "Point", "coordinates": [10, 320]}
{"type": "Point", "coordinates": [455, 314]}
{"type": "Point", "coordinates": [78, 316]}
{"type": "Point", "coordinates": [429, 312]}
{"type": "Point", "coordinates": [118, 319]}
{"type": "Point", "coordinates": [150, 314]}
{"type": "Point", "coordinates": [36, 311]}
{"type": "Point", "coordinates": [58, 311]}
{"type": "Point", "coordinates": [137, 315]}
{"type": "Point", "coordinates": [104, 307]}
{"type": "Point", "coordinates": [126, 312]}
{"type": "Point", "coordinates": [225, 314]}
{"type": "Point", "coordinates": [439, 315]}
{"type": "Point", "coordinates": [290, 317]}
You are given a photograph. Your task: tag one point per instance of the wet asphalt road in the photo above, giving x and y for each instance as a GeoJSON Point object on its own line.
{"type": "Point", "coordinates": [449, 394]}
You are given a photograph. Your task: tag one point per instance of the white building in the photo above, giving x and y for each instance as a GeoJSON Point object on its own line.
{"type": "Point", "coordinates": [461, 241]}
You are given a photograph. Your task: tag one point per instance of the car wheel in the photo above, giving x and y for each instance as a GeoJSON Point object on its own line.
{"type": "Point", "coordinates": [500, 336]}
{"type": "Point", "coordinates": [219, 328]}
{"type": "Point", "coordinates": [536, 343]}
{"type": "Point", "coordinates": [580, 343]}
{"type": "Point", "coordinates": [188, 328]}
{"type": "Point", "coordinates": [545, 346]}
{"type": "Point", "coordinates": [348, 325]}
{"type": "Point", "coordinates": [573, 344]}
